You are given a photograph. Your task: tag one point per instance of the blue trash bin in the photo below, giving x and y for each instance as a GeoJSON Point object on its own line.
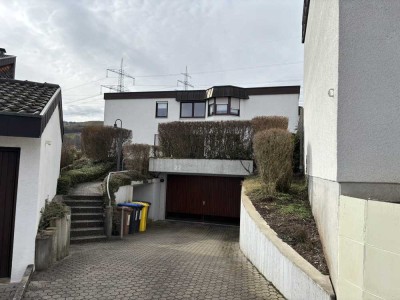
{"type": "Point", "coordinates": [135, 216]}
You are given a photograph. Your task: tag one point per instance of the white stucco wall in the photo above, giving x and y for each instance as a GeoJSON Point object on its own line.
{"type": "Point", "coordinates": [27, 199]}
{"type": "Point", "coordinates": [321, 75]}
{"type": "Point", "coordinates": [138, 115]}
{"type": "Point", "coordinates": [369, 105]}
{"type": "Point", "coordinates": [50, 157]}
{"type": "Point", "coordinates": [37, 180]}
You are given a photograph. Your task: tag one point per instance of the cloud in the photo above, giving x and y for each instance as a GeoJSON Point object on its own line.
{"type": "Point", "coordinates": [73, 42]}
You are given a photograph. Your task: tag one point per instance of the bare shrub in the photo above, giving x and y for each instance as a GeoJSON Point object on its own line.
{"type": "Point", "coordinates": [137, 157]}
{"type": "Point", "coordinates": [67, 155]}
{"type": "Point", "coordinates": [273, 151]}
{"type": "Point", "coordinates": [211, 140]}
{"type": "Point", "coordinates": [269, 122]}
{"type": "Point", "coordinates": [99, 142]}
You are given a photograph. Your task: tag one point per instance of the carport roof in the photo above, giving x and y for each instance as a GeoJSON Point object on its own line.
{"type": "Point", "coordinates": [26, 107]}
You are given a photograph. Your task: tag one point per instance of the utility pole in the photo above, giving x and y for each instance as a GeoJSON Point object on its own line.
{"type": "Point", "coordinates": [185, 81]}
{"type": "Point", "coordinates": [120, 87]}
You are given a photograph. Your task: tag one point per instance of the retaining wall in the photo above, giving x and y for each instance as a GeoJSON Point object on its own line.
{"type": "Point", "coordinates": [289, 272]}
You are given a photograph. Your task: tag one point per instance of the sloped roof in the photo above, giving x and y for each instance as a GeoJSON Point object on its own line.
{"type": "Point", "coordinates": [26, 107]}
{"type": "Point", "coordinates": [25, 96]}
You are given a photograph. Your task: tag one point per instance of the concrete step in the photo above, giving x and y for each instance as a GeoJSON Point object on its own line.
{"type": "Point", "coordinates": [88, 239]}
{"type": "Point", "coordinates": [87, 216]}
{"type": "Point", "coordinates": [83, 197]}
{"type": "Point", "coordinates": [92, 231]}
{"type": "Point", "coordinates": [83, 202]}
{"type": "Point", "coordinates": [87, 209]}
{"type": "Point", "coordinates": [87, 223]}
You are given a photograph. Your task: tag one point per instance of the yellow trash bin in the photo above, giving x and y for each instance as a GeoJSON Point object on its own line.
{"type": "Point", "coordinates": [143, 219]}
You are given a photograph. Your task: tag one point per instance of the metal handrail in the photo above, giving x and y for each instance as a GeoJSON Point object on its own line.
{"type": "Point", "coordinates": [108, 184]}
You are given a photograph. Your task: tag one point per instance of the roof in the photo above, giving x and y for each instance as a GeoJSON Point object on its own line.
{"type": "Point", "coordinates": [306, 8]}
{"type": "Point", "coordinates": [202, 95]}
{"type": "Point", "coordinates": [26, 107]}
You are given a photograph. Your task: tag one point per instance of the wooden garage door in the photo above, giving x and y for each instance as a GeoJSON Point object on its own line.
{"type": "Point", "coordinates": [9, 162]}
{"type": "Point", "coordinates": [203, 196]}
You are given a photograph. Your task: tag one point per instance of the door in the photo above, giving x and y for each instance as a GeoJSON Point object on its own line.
{"type": "Point", "coordinates": [9, 164]}
{"type": "Point", "coordinates": [203, 197]}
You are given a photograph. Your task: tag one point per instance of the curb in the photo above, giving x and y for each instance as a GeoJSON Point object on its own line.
{"type": "Point", "coordinates": [23, 285]}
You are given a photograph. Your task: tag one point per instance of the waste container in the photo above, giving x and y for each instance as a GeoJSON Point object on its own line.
{"type": "Point", "coordinates": [122, 220]}
{"type": "Point", "coordinates": [135, 215]}
{"type": "Point", "coordinates": [144, 214]}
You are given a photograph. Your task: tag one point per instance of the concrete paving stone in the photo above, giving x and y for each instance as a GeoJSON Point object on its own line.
{"type": "Point", "coordinates": [172, 260]}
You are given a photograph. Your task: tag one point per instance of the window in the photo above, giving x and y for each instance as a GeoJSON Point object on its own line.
{"type": "Point", "coordinates": [224, 106]}
{"type": "Point", "coordinates": [193, 109]}
{"type": "Point", "coordinates": [162, 110]}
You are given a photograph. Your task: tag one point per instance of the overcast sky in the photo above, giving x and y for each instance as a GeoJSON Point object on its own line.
{"type": "Point", "coordinates": [72, 43]}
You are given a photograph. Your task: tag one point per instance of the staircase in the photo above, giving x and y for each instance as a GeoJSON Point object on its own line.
{"type": "Point", "coordinates": [87, 218]}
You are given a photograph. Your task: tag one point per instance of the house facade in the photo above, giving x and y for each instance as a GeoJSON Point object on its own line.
{"type": "Point", "coordinates": [31, 131]}
{"type": "Point", "coordinates": [141, 112]}
{"type": "Point", "coordinates": [352, 129]}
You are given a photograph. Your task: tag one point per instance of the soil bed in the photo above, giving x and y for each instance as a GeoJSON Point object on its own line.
{"type": "Point", "coordinates": [289, 215]}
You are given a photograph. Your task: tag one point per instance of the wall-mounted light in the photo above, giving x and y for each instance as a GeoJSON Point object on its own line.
{"type": "Point", "coordinates": [331, 93]}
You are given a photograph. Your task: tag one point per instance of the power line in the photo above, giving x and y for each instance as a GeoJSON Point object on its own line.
{"type": "Point", "coordinates": [73, 87]}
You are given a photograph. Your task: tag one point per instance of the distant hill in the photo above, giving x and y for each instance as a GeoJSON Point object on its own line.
{"type": "Point", "coordinates": [72, 132]}
{"type": "Point", "coordinates": [76, 127]}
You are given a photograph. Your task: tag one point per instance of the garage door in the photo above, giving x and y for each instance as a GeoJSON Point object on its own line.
{"type": "Point", "coordinates": [9, 161]}
{"type": "Point", "coordinates": [203, 197]}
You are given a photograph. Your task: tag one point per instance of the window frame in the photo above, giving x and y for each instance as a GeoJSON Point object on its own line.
{"type": "Point", "coordinates": [228, 113]}
{"type": "Point", "coordinates": [193, 104]}
{"type": "Point", "coordinates": [161, 102]}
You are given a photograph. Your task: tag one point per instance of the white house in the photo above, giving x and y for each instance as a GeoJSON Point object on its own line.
{"type": "Point", "coordinates": [141, 112]}
{"type": "Point", "coordinates": [352, 141]}
{"type": "Point", "coordinates": [31, 128]}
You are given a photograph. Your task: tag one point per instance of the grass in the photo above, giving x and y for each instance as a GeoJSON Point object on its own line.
{"type": "Point", "coordinates": [294, 202]}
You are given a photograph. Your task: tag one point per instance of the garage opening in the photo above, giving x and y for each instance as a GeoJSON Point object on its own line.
{"type": "Point", "coordinates": [9, 163]}
{"type": "Point", "coordinates": [204, 198]}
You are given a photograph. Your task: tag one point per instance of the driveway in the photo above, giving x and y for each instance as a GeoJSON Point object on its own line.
{"type": "Point", "coordinates": [172, 260]}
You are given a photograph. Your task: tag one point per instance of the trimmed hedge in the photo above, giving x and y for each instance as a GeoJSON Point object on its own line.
{"type": "Point", "coordinates": [269, 122]}
{"type": "Point", "coordinates": [273, 151]}
{"type": "Point", "coordinates": [137, 157]}
{"type": "Point", "coordinates": [99, 142]}
{"type": "Point", "coordinates": [86, 173]}
{"type": "Point", "coordinates": [210, 140]}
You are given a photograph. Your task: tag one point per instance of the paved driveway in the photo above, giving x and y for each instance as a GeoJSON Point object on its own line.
{"type": "Point", "coordinates": [172, 260]}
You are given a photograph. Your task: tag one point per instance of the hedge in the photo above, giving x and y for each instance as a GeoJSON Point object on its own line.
{"type": "Point", "coordinates": [273, 151]}
{"type": "Point", "coordinates": [99, 142]}
{"type": "Point", "coordinates": [122, 179]}
{"type": "Point", "coordinates": [211, 140]}
{"type": "Point", "coordinates": [87, 173]}
{"type": "Point", "coordinates": [137, 157]}
{"type": "Point", "coordinates": [269, 122]}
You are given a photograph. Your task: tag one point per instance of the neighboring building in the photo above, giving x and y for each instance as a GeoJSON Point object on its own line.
{"type": "Point", "coordinates": [141, 112]}
{"type": "Point", "coordinates": [31, 129]}
{"type": "Point", "coordinates": [7, 65]}
{"type": "Point", "coordinates": [352, 141]}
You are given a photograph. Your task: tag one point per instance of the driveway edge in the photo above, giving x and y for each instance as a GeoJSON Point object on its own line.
{"type": "Point", "coordinates": [23, 285]}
